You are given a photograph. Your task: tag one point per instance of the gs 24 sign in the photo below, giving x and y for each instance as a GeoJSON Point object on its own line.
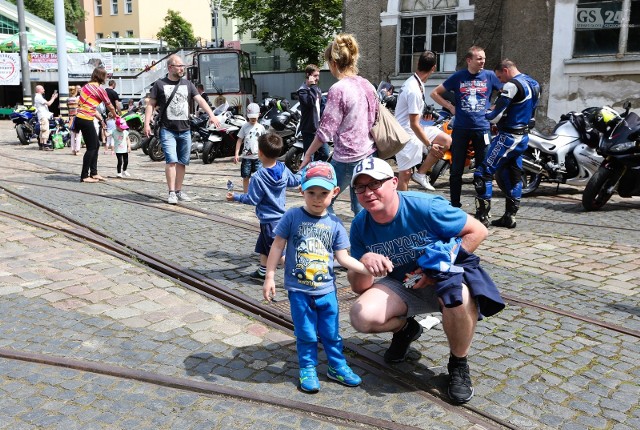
{"type": "Point", "coordinates": [598, 17]}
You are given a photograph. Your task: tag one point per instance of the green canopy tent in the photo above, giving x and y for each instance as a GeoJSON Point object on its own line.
{"type": "Point", "coordinates": [39, 44]}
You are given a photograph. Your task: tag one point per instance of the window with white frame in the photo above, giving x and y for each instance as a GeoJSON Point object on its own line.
{"type": "Point", "coordinates": [115, 34]}
{"type": "Point", "coordinates": [129, 33]}
{"type": "Point", "coordinates": [99, 35]}
{"type": "Point", "coordinates": [114, 7]}
{"type": "Point", "coordinates": [438, 33]}
{"type": "Point", "coordinates": [128, 6]}
{"type": "Point", "coordinates": [600, 27]}
{"type": "Point", "coordinates": [98, 7]}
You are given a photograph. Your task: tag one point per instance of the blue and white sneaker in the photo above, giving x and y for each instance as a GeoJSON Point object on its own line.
{"type": "Point", "coordinates": [344, 375]}
{"type": "Point", "coordinates": [309, 382]}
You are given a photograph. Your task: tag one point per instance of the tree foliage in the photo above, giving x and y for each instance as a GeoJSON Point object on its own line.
{"type": "Point", "coordinates": [177, 31]}
{"type": "Point", "coordinates": [303, 29]}
{"type": "Point", "coordinates": [73, 12]}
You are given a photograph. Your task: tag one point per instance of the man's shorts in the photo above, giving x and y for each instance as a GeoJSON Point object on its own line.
{"type": "Point", "coordinates": [44, 129]}
{"type": "Point", "coordinates": [249, 166]}
{"type": "Point", "coordinates": [266, 237]}
{"type": "Point", "coordinates": [176, 146]}
{"type": "Point", "coordinates": [420, 301]}
{"type": "Point", "coordinates": [411, 154]}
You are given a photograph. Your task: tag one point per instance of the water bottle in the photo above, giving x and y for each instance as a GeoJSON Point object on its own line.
{"type": "Point", "coordinates": [229, 185]}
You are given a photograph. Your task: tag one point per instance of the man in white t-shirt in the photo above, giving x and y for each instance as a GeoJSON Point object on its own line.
{"type": "Point", "coordinates": [42, 109]}
{"type": "Point", "coordinates": [408, 112]}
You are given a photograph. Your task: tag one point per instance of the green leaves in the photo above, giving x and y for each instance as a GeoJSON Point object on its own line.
{"type": "Point", "coordinates": [303, 29]}
{"type": "Point", "coordinates": [73, 12]}
{"type": "Point", "coordinates": [177, 32]}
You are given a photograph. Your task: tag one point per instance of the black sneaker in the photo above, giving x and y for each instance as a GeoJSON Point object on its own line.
{"type": "Point", "coordinates": [460, 388]}
{"type": "Point", "coordinates": [257, 276]}
{"type": "Point", "coordinates": [401, 341]}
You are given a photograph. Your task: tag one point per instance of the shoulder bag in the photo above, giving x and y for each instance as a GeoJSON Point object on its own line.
{"type": "Point", "coordinates": [387, 133]}
{"type": "Point", "coordinates": [158, 123]}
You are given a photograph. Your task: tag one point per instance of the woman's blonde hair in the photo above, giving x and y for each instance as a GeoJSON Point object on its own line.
{"type": "Point", "coordinates": [344, 52]}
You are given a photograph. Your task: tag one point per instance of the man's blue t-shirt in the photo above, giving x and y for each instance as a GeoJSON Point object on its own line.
{"type": "Point", "coordinates": [473, 97]}
{"type": "Point", "coordinates": [311, 242]}
{"type": "Point", "coordinates": [421, 219]}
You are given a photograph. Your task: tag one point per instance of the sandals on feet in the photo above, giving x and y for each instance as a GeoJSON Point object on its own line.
{"type": "Point", "coordinates": [89, 179]}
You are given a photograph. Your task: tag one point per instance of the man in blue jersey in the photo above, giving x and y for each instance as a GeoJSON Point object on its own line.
{"type": "Point", "coordinates": [386, 237]}
{"type": "Point", "coordinates": [472, 88]}
{"type": "Point", "coordinates": [513, 111]}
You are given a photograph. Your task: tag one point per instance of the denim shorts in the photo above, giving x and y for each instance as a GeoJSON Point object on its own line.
{"type": "Point", "coordinates": [249, 166]}
{"type": "Point", "coordinates": [176, 146]}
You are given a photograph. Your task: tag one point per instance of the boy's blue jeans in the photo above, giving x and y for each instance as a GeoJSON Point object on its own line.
{"type": "Point", "coordinates": [315, 316]}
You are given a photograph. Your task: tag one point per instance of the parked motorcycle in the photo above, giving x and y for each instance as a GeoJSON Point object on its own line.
{"type": "Point", "coordinates": [25, 121]}
{"type": "Point", "coordinates": [221, 142]}
{"type": "Point", "coordinates": [620, 146]}
{"type": "Point", "coordinates": [295, 154]}
{"type": "Point", "coordinates": [443, 120]}
{"type": "Point", "coordinates": [278, 116]}
{"type": "Point", "coordinates": [59, 133]}
{"type": "Point", "coordinates": [387, 95]}
{"type": "Point", "coordinates": [567, 156]}
{"type": "Point", "coordinates": [199, 137]}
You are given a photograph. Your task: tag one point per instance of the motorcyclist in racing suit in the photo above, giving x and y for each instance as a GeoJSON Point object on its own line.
{"type": "Point", "coordinates": [513, 111]}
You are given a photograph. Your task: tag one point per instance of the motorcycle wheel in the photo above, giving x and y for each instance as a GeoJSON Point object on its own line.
{"type": "Point", "coordinates": [145, 145]}
{"type": "Point", "coordinates": [293, 159]}
{"type": "Point", "coordinates": [136, 139]}
{"type": "Point", "coordinates": [530, 181]}
{"type": "Point", "coordinates": [22, 137]}
{"type": "Point", "coordinates": [208, 153]}
{"type": "Point", "coordinates": [439, 169]}
{"type": "Point", "coordinates": [155, 150]}
{"type": "Point", "coordinates": [598, 190]}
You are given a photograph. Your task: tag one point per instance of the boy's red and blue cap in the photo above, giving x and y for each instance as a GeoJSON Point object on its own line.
{"type": "Point", "coordinates": [319, 173]}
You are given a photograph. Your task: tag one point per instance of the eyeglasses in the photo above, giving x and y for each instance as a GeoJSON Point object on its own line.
{"type": "Point", "coordinates": [373, 185]}
{"type": "Point", "coordinates": [178, 65]}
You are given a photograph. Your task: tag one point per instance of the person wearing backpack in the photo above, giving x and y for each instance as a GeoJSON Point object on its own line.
{"type": "Point", "coordinates": [514, 109]}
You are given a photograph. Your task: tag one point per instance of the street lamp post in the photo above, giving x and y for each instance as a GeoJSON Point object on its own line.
{"type": "Point", "coordinates": [215, 6]}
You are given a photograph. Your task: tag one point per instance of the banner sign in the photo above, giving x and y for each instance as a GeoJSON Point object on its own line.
{"type": "Point", "coordinates": [78, 64]}
{"type": "Point", "coordinates": [9, 69]}
{"type": "Point", "coordinates": [82, 64]}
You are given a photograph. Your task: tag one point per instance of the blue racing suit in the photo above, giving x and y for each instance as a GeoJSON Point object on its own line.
{"type": "Point", "coordinates": [514, 109]}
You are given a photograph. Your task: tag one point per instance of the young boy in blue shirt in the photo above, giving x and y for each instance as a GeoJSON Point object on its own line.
{"type": "Point", "coordinates": [267, 192]}
{"type": "Point", "coordinates": [313, 237]}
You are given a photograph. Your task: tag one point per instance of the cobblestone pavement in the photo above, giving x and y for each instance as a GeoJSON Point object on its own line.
{"type": "Point", "coordinates": [531, 368]}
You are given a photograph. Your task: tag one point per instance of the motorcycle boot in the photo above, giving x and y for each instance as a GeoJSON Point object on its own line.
{"type": "Point", "coordinates": [483, 206]}
{"type": "Point", "coordinates": [508, 220]}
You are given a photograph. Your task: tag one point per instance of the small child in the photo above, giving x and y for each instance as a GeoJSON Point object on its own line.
{"type": "Point", "coordinates": [313, 237]}
{"type": "Point", "coordinates": [122, 146]}
{"type": "Point", "coordinates": [267, 193]}
{"type": "Point", "coordinates": [111, 127]}
{"type": "Point", "coordinates": [248, 140]}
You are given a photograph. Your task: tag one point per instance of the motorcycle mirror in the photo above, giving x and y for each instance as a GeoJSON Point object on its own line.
{"type": "Point", "coordinates": [626, 106]}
